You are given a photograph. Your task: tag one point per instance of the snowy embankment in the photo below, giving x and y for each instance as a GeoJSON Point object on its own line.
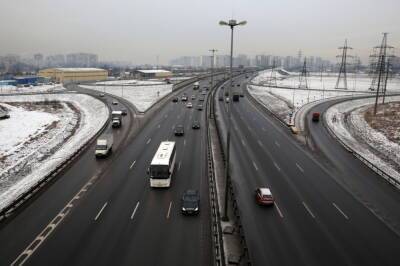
{"type": "Point", "coordinates": [41, 133]}
{"type": "Point", "coordinates": [8, 89]}
{"type": "Point", "coordinates": [346, 120]}
{"type": "Point", "coordinates": [142, 97]}
{"type": "Point", "coordinates": [285, 102]}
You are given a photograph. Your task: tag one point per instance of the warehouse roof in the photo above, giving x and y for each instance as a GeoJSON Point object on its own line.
{"type": "Point", "coordinates": [78, 69]}
{"type": "Point", "coordinates": [150, 71]}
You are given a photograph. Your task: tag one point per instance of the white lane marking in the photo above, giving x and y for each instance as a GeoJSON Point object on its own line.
{"type": "Point", "coordinates": [169, 209]}
{"type": "Point", "coordinates": [259, 143]}
{"type": "Point", "coordinates": [277, 166]}
{"type": "Point", "coordinates": [255, 166]}
{"type": "Point", "coordinates": [148, 141]}
{"type": "Point", "coordinates": [301, 169]}
{"type": "Point", "coordinates": [244, 144]}
{"type": "Point", "coordinates": [130, 167]}
{"type": "Point", "coordinates": [308, 209]}
{"type": "Point", "coordinates": [134, 211]}
{"type": "Point", "coordinates": [179, 166]}
{"type": "Point", "coordinates": [158, 126]}
{"type": "Point", "coordinates": [279, 210]}
{"type": "Point", "coordinates": [337, 207]}
{"type": "Point", "coordinates": [277, 143]}
{"type": "Point", "coordinates": [101, 210]}
{"type": "Point", "coordinates": [184, 142]}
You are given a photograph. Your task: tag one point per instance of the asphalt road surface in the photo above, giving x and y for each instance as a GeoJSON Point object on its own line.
{"type": "Point", "coordinates": [317, 219]}
{"type": "Point", "coordinates": [118, 219]}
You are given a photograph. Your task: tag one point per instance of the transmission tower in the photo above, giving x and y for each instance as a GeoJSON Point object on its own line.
{"type": "Point", "coordinates": [303, 75]}
{"type": "Point", "coordinates": [343, 67]}
{"type": "Point", "coordinates": [380, 66]}
{"type": "Point", "coordinates": [272, 79]}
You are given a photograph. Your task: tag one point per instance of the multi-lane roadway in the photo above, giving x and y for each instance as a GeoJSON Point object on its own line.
{"type": "Point", "coordinates": [116, 218]}
{"type": "Point", "coordinates": [329, 210]}
{"type": "Point", "coordinates": [317, 218]}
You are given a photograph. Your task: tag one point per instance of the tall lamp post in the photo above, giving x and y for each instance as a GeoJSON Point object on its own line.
{"type": "Point", "coordinates": [212, 66]}
{"type": "Point", "coordinates": [232, 24]}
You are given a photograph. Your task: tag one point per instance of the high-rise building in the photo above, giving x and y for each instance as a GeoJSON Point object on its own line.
{"type": "Point", "coordinates": [82, 60]}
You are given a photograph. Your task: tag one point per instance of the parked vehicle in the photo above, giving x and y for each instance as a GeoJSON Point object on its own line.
{"type": "Point", "coordinates": [315, 116]}
{"type": "Point", "coordinates": [116, 118]}
{"type": "Point", "coordinates": [104, 145]}
{"type": "Point", "coordinates": [264, 196]}
{"type": "Point", "coordinates": [190, 202]}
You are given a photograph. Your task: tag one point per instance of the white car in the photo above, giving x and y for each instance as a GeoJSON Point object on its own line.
{"type": "Point", "coordinates": [114, 102]}
{"type": "Point", "coordinates": [101, 94]}
{"type": "Point", "coordinates": [227, 100]}
{"type": "Point", "coordinates": [189, 105]}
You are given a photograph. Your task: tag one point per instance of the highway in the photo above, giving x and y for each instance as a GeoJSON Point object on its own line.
{"type": "Point", "coordinates": [118, 219]}
{"type": "Point", "coordinates": [317, 219]}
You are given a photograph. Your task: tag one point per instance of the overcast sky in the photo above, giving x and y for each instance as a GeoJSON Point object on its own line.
{"type": "Point", "coordinates": [139, 30]}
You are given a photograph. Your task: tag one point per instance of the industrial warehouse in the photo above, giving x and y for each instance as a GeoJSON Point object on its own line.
{"type": "Point", "coordinates": [65, 75]}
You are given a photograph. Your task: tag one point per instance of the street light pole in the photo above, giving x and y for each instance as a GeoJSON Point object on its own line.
{"type": "Point", "coordinates": [212, 66]}
{"type": "Point", "coordinates": [232, 23]}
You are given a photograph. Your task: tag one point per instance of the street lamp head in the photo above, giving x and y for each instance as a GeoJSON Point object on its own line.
{"type": "Point", "coordinates": [244, 22]}
{"type": "Point", "coordinates": [223, 23]}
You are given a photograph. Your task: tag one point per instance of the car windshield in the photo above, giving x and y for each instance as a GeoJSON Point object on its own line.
{"type": "Point", "coordinates": [101, 147]}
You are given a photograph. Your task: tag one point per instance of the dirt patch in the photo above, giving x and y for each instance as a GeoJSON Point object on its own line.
{"type": "Point", "coordinates": [386, 121]}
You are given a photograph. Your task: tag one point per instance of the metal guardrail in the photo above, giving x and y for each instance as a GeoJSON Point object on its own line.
{"type": "Point", "coordinates": [364, 160]}
{"type": "Point", "coordinates": [11, 208]}
{"type": "Point", "coordinates": [215, 214]}
{"type": "Point", "coordinates": [236, 211]}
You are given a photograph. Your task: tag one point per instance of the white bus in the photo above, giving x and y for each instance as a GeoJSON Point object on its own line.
{"type": "Point", "coordinates": [163, 164]}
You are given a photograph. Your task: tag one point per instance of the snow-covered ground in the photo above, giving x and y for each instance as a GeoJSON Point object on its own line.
{"type": "Point", "coordinates": [130, 82]}
{"type": "Point", "coordinates": [347, 122]}
{"type": "Point", "coordinates": [284, 101]}
{"type": "Point", "coordinates": [142, 97]}
{"type": "Point", "coordinates": [8, 89]}
{"type": "Point", "coordinates": [42, 131]}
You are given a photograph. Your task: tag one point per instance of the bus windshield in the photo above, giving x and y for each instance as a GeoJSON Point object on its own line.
{"type": "Point", "coordinates": [159, 171]}
{"type": "Point", "coordinates": [101, 147]}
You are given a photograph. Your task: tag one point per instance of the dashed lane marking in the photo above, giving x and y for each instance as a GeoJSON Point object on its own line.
{"type": "Point", "coordinates": [101, 210]}
{"type": "Point", "coordinates": [337, 207]}
{"type": "Point", "coordinates": [130, 167]}
{"type": "Point", "coordinates": [308, 209]}
{"type": "Point", "coordinates": [301, 169]}
{"type": "Point", "coordinates": [134, 211]}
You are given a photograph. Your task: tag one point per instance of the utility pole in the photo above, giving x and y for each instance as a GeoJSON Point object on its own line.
{"type": "Point", "coordinates": [232, 24]}
{"type": "Point", "coordinates": [381, 72]}
{"type": "Point", "coordinates": [303, 75]}
{"type": "Point", "coordinates": [343, 66]}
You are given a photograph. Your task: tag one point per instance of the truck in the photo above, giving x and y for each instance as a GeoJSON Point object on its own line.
{"type": "Point", "coordinates": [104, 145]}
{"type": "Point", "coordinates": [116, 117]}
{"type": "Point", "coordinates": [196, 85]}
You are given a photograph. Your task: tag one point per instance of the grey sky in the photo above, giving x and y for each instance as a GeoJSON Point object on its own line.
{"type": "Point", "coordinates": [138, 30]}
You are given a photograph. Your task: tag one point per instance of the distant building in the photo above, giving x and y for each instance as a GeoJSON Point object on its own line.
{"type": "Point", "coordinates": [65, 75]}
{"type": "Point", "coordinates": [55, 60]}
{"type": "Point", "coordinates": [153, 74]}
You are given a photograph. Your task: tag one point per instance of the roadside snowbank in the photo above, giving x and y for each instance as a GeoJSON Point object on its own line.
{"type": "Point", "coordinates": [58, 132]}
{"type": "Point", "coordinates": [347, 122]}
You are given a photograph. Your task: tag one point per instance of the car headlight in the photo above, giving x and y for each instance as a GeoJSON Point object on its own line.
{"type": "Point", "coordinates": [196, 209]}
{"type": "Point", "coordinates": [183, 209]}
